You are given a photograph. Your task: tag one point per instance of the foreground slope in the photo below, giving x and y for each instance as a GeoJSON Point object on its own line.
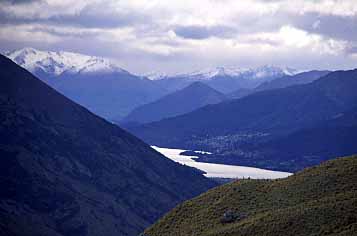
{"type": "Point", "coordinates": [192, 97]}
{"type": "Point", "coordinates": [317, 201]}
{"type": "Point", "coordinates": [65, 171]}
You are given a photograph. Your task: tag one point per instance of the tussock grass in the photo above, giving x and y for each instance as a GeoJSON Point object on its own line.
{"type": "Point", "coordinates": [321, 200]}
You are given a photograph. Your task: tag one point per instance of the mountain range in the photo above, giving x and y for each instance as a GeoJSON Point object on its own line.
{"type": "Point", "coordinates": [230, 71]}
{"type": "Point", "coordinates": [224, 79]}
{"type": "Point", "coordinates": [281, 82]}
{"type": "Point", "coordinates": [66, 171]}
{"type": "Point", "coordinates": [192, 97]}
{"type": "Point", "coordinates": [112, 92]}
{"type": "Point", "coordinates": [96, 83]}
{"type": "Point", "coordinates": [52, 64]}
{"type": "Point", "coordinates": [199, 94]}
{"type": "Point", "coordinates": [290, 80]}
{"type": "Point", "coordinates": [229, 128]}
{"type": "Point", "coordinates": [317, 201]}
{"type": "Point", "coordinates": [268, 105]}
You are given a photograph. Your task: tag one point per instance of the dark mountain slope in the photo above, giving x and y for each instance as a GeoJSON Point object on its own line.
{"type": "Point", "coordinates": [111, 95]}
{"type": "Point", "coordinates": [318, 201]}
{"type": "Point", "coordinates": [279, 111]}
{"type": "Point", "coordinates": [65, 171]}
{"type": "Point", "coordinates": [192, 97]}
{"type": "Point", "coordinates": [336, 136]}
{"type": "Point", "coordinates": [304, 148]}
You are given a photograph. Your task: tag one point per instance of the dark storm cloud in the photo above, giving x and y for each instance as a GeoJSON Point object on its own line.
{"type": "Point", "coordinates": [202, 32]}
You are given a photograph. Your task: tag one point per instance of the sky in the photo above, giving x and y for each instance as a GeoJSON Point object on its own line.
{"type": "Point", "coordinates": [173, 36]}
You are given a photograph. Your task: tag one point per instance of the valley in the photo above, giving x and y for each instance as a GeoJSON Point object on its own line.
{"type": "Point", "coordinates": [178, 118]}
{"type": "Point", "coordinates": [264, 124]}
{"type": "Point", "coordinates": [284, 129]}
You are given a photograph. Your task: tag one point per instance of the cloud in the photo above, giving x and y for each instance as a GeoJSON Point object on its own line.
{"type": "Point", "coordinates": [183, 35]}
{"type": "Point", "coordinates": [94, 16]}
{"type": "Point", "coordinates": [15, 2]}
{"type": "Point", "coordinates": [339, 27]}
{"type": "Point", "coordinates": [89, 16]}
{"type": "Point", "coordinates": [203, 32]}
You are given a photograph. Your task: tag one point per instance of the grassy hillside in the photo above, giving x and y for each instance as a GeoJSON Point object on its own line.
{"type": "Point", "coordinates": [317, 201]}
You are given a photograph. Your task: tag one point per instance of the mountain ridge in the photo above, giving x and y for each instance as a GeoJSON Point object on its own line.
{"type": "Point", "coordinates": [193, 96]}
{"type": "Point", "coordinates": [61, 62]}
{"type": "Point", "coordinates": [235, 129]}
{"type": "Point", "coordinates": [96, 83]}
{"type": "Point", "coordinates": [248, 73]}
{"type": "Point", "coordinates": [66, 171]}
{"type": "Point", "coordinates": [290, 80]}
{"type": "Point", "coordinates": [256, 104]}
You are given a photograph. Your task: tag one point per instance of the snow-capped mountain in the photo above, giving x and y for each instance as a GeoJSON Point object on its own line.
{"type": "Point", "coordinates": [155, 75]}
{"type": "Point", "coordinates": [96, 83]}
{"type": "Point", "coordinates": [246, 73]}
{"type": "Point", "coordinates": [57, 63]}
{"type": "Point", "coordinates": [225, 79]}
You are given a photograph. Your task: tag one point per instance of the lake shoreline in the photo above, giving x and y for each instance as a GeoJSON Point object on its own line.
{"type": "Point", "coordinates": [220, 171]}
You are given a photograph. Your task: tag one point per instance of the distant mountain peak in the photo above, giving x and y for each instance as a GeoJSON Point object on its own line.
{"type": "Point", "coordinates": [228, 71]}
{"type": "Point", "coordinates": [197, 84]}
{"type": "Point", "coordinates": [192, 97]}
{"type": "Point", "coordinates": [154, 75]}
{"type": "Point", "coordinates": [200, 86]}
{"type": "Point", "coordinates": [58, 62]}
{"type": "Point", "coordinates": [247, 73]}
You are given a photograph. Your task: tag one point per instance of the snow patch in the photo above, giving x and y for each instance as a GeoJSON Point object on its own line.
{"type": "Point", "coordinates": [56, 63]}
{"type": "Point", "coordinates": [236, 72]}
{"type": "Point", "coordinates": [154, 75]}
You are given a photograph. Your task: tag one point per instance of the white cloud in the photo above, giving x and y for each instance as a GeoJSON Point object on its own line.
{"type": "Point", "coordinates": [198, 33]}
{"type": "Point", "coordinates": [25, 33]}
{"type": "Point", "coordinates": [290, 37]}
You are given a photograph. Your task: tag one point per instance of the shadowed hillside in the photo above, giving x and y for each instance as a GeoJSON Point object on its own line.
{"type": "Point", "coordinates": [192, 97]}
{"type": "Point", "coordinates": [65, 171]}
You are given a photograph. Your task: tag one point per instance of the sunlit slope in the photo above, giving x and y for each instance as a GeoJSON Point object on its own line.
{"type": "Point", "coordinates": [317, 201]}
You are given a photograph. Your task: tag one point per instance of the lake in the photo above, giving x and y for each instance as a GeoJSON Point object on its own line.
{"type": "Point", "coordinates": [219, 170]}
